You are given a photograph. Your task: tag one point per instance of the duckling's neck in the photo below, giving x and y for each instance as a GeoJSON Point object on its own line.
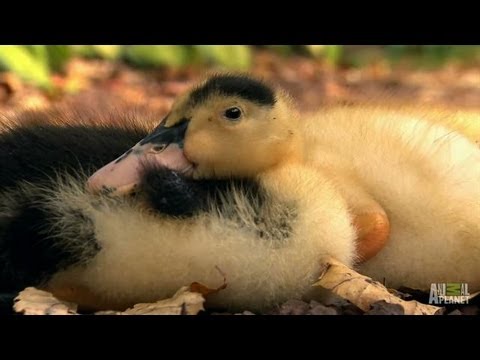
{"type": "Point", "coordinates": [292, 154]}
{"type": "Point", "coordinates": [293, 150]}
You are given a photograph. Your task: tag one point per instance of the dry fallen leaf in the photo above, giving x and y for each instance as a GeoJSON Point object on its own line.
{"type": "Point", "coordinates": [362, 291]}
{"type": "Point", "coordinates": [184, 302]}
{"type": "Point", "coordinates": [204, 290]}
{"type": "Point", "coordinates": [188, 300]}
{"type": "Point", "coordinates": [32, 301]}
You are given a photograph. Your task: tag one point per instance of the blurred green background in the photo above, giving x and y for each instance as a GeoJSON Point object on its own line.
{"type": "Point", "coordinates": [36, 63]}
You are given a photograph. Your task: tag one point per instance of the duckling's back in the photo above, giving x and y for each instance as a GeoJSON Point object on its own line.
{"type": "Point", "coordinates": [424, 174]}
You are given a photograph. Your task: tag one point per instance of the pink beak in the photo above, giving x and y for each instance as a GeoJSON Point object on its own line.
{"type": "Point", "coordinates": [161, 148]}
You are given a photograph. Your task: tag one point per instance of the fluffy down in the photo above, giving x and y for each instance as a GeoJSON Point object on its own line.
{"type": "Point", "coordinates": [146, 256]}
{"type": "Point", "coordinates": [425, 176]}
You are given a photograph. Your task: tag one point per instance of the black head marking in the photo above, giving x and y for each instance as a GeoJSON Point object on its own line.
{"type": "Point", "coordinates": [234, 85]}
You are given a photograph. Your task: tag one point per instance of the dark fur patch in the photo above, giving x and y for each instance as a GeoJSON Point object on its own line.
{"type": "Point", "coordinates": [29, 253]}
{"type": "Point", "coordinates": [37, 151]}
{"type": "Point", "coordinates": [169, 193]}
{"type": "Point", "coordinates": [173, 194]}
{"type": "Point", "coordinates": [234, 85]}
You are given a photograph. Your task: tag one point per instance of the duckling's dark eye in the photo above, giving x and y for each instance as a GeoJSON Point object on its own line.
{"type": "Point", "coordinates": [233, 113]}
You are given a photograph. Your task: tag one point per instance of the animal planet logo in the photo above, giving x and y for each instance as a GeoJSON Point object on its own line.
{"type": "Point", "coordinates": [449, 293]}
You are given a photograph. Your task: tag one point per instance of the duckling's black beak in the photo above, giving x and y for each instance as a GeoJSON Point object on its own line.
{"type": "Point", "coordinates": [163, 147]}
